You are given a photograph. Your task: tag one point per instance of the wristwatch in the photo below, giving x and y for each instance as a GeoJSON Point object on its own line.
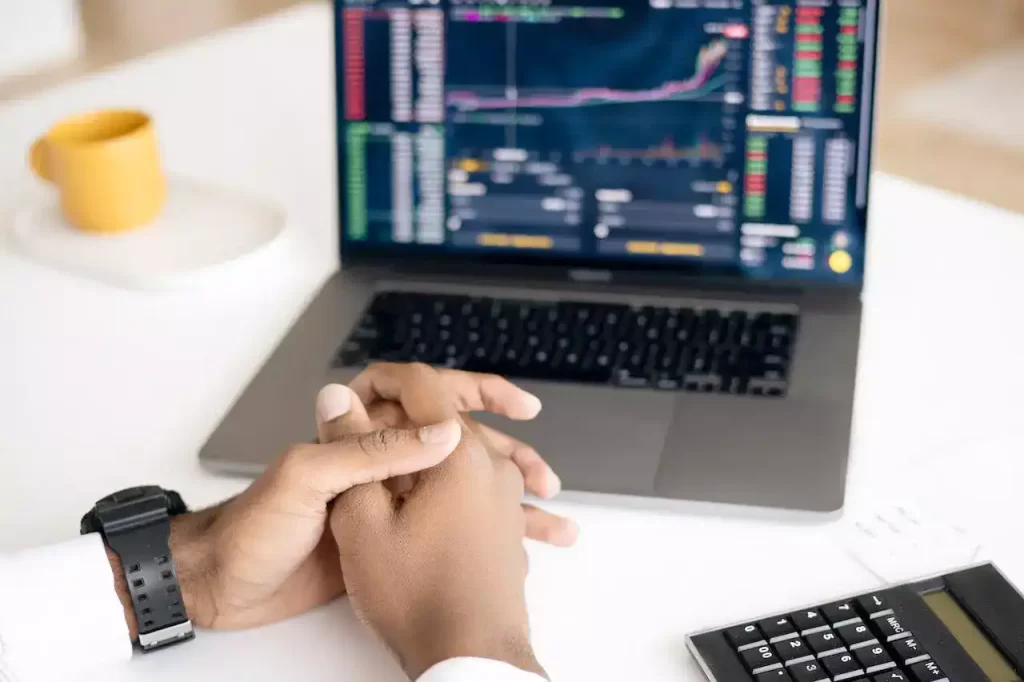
{"type": "Point", "coordinates": [136, 524]}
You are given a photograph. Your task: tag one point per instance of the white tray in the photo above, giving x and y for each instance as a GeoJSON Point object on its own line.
{"type": "Point", "coordinates": [201, 230]}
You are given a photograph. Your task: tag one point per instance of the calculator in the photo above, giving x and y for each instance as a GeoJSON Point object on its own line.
{"type": "Point", "coordinates": [964, 626]}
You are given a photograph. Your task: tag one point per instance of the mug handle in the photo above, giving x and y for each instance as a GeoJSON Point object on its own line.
{"type": "Point", "coordinates": [39, 160]}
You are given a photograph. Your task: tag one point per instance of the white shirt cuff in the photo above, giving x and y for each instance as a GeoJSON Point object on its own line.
{"type": "Point", "coordinates": [475, 670]}
{"type": "Point", "coordinates": [59, 599]}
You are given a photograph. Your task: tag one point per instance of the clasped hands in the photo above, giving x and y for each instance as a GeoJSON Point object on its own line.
{"type": "Point", "coordinates": [405, 504]}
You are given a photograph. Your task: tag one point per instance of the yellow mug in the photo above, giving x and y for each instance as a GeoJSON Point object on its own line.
{"type": "Point", "coordinates": [106, 165]}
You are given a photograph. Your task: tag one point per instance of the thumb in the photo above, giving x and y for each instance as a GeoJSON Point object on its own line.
{"type": "Point", "coordinates": [368, 506]}
{"type": "Point", "coordinates": [313, 475]}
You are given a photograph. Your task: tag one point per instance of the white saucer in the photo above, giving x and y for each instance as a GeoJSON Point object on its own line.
{"type": "Point", "coordinates": [201, 230]}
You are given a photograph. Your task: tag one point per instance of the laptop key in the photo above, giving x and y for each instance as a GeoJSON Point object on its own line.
{"type": "Point", "coordinates": [647, 347]}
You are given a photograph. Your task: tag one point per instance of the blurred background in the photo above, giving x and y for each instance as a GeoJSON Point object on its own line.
{"type": "Point", "coordinates": [952, 111]}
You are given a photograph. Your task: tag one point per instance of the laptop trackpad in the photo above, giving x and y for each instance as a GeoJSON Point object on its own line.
{"type": "Point", "coordinates": [597, 439]}
{"type": "Point", "coordinates": [787, 453]}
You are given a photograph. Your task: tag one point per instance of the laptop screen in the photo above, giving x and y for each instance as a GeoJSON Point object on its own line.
{"type": "Point", "coordinates": [708, 136]}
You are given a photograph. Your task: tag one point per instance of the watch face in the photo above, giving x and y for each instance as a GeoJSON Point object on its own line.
{"type": "Point", "coordinates": [129, 502]}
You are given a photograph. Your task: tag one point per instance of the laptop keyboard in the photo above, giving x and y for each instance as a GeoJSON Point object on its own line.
{"type": "Point", "coordinates": [712, 351]}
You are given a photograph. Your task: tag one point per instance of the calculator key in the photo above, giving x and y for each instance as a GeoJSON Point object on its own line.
{"type": "Point", "coordinates": [874, 659]}
{"type": "Point", "coordinates": [776, 629]}
{"type": "Point", "coordinates": [778, 675]}
{"type": "Point", "coordinates": [825, 643]}
{"type": "Point", "coordinates": [874, 605]}
{"type": "Point", "coordinates": [745, 636]}
{"type": "Point", "coordinates": [856, 635]}
{"type": "Point", "coordinates": [794, 650]}
{"type": "Point", "coordinates": [891, 676]}
{"type": "Point", "coordinates": [890, 628]}
{"type": "Point", "coordinates": [807, 621]}
{"type": "Point", "coordinates": [842, 667]}
{"type": "Point", "coordinates": [808, 672]}
{"type": "Point", "coordinates": [928, 671]}
{"type": "Point", "coordinates": [909, 651]}
{"type": "Point", "coordinates": [840, 613]}
{"type": "Point", "coordinates": [761, 659]}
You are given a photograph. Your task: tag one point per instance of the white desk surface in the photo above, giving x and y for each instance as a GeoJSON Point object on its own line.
{"type": "Point", "coordinates": [102, 388]}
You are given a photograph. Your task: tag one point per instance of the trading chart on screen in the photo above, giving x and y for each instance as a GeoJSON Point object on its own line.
{"type": "Point", "coordinates": [718, 131]}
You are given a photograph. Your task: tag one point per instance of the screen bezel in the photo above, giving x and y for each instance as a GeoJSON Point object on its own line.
{"type": "Point", "coordinates": [438, 259]}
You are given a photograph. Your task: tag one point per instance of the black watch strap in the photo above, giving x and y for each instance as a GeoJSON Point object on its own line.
{"type": "Point", "coordinates": [136, 525]}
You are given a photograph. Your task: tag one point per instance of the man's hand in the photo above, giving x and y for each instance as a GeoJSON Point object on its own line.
{"type": "Point", "coordinates": [397, 396]}
{"type": "Point", "coordinates": [438, 570]}
{"type": "Point", "coordinates": [267, 554]}
{"type": "Point", "coordinates": [263, 556]}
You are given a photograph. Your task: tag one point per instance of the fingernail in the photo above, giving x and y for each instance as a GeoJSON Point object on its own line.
{"type": "Point", "coordinates": [333, 401]}
{"type": "Point", "coordinates": [440, 434]}
{"type": "Point", "coordinates": [554, 484]}
{"type": "Point", "coordinates": [533, 403]}
{"type": "Point", "coordinates": [570, 532]}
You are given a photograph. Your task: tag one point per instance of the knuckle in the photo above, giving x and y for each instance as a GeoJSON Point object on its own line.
{"type": "Point", "coordinates": [292, 464]}
{"type": "Point", "coordinates": [420, 369]}
{"type": "Point", "coordinates": [378, 442]}
{"type": "Point", "coordinates": [293, 456]}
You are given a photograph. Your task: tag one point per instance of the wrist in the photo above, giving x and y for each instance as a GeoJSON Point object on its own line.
{"type": "Point", "coordinates": [188, 553]}
{"type": "Point", "coordinates": [514, 650]}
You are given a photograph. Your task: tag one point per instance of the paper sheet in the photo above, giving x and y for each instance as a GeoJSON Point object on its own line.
{"type": "Point", "coordinates": [951, 511]}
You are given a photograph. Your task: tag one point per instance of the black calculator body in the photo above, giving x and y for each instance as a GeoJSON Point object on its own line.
{"type": "Point", "coordinates": [966, 626]}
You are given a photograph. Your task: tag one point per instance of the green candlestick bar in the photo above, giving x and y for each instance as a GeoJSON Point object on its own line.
{"type": "Point", "coordinates": [357, 219]}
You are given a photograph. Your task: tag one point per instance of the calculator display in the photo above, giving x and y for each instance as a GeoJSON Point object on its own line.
{"type": "Point", "coordinates": [971, 638]}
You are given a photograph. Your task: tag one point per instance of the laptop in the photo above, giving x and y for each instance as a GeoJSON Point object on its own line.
{"type": "Point", "coordinates": [651, 214]}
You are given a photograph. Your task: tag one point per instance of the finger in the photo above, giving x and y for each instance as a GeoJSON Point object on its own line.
{"type": "Point", "coordinates": [541, 480]}
{"type": "Point", "coordinates": [311, 476]}
{"type": "Point", "coordinates": [544, 526]}
{"type": "Point", "coordinates": [387, 414]}
{"type": "Point", "coordinates": [339, 412]}
{"type": "Point", "coordinates": [474, 392]}
{"type": "Point", "coordinates": [367, 507]}
{"type": "Point", "coordinates": [416, 387]}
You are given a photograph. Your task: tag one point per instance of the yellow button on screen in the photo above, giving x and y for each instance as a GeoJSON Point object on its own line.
{"type": "Point", "coordinates": [642, 247]}
{"type": "Point", "coordinates": [840, 262]}
{"type": "Point", "coordinates": [522, 241]}
{"type": "Point", "coordinates": [488, 239]}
